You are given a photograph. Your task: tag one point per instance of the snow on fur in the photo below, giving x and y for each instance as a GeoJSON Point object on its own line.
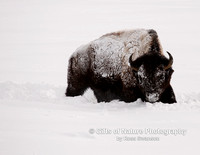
{"type": "Point", "coordinates": [112, 51]}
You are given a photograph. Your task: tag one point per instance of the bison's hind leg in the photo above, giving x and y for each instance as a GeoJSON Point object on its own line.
{"type": "Point", "coordinates": [75, 89]}
{"type": "Point", "coordinates": [77, 78]}
{"type": "Point", "coordinates": [77, 85]}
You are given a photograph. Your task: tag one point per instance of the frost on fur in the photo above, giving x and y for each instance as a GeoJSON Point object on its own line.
{"type": "Point", "coordinates": [104, 65]}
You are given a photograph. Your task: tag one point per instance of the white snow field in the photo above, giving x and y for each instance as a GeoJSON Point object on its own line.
{"type": "Point", "coordinates": [37, 38]}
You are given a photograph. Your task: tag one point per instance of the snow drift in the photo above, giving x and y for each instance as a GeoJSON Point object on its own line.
{"type": "Point", "coordinates": [36, 41]}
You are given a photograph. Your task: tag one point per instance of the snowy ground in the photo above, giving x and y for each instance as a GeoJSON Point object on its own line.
{"type": "Point", "coordinates": [36, 40]}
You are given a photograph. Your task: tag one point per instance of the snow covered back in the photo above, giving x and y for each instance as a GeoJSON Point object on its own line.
{"type": "Point", "coordinates": [37, 39]}
{"type": "Point", "coordinates": [112, 51]}
{"type": "Point", "coordinates": [108, 54]}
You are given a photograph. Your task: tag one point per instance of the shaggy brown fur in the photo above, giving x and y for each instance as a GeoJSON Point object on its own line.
{"type": "Point", "coordinates": [103, 65]}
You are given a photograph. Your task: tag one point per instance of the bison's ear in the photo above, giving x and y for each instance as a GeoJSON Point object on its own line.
{"type": "Point", "coordinates": [133, 64]}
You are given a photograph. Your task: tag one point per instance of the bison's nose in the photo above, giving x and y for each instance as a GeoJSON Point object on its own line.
{"type": "Point", "coordinates": [152, 97]}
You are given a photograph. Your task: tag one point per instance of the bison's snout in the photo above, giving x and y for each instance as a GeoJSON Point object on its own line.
{"type": "Point", "coordinates": [152, 97]}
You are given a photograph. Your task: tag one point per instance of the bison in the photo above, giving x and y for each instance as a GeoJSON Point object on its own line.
{"type": "Point", "coordinates": [124, 65]}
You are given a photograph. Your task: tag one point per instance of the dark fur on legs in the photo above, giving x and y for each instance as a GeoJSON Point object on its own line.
{"type": "Point", "coordinates": [168, 96]}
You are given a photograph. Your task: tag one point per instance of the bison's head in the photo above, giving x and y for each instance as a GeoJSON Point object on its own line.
{"type": "Point", "coordinates": [153, 72]}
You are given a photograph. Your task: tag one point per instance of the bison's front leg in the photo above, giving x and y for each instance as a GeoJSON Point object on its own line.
{"type": "Point", "coordinates": [168, 96]}
{"type": "Point", "coordinates": [100, 95]}
{"type": "Point", "coordinates": [107, 92]}
{"type": "Point", "coordinates": [130, 95]}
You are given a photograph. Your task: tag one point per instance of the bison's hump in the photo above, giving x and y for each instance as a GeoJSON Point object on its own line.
{"type": "Point", "coordinates": [112, 51]}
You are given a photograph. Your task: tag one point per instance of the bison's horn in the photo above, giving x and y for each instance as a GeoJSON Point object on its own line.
{"type": "Point", "coordinates": [132, 64]}
{"type": "Point", "coordinates": [170, 61]}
